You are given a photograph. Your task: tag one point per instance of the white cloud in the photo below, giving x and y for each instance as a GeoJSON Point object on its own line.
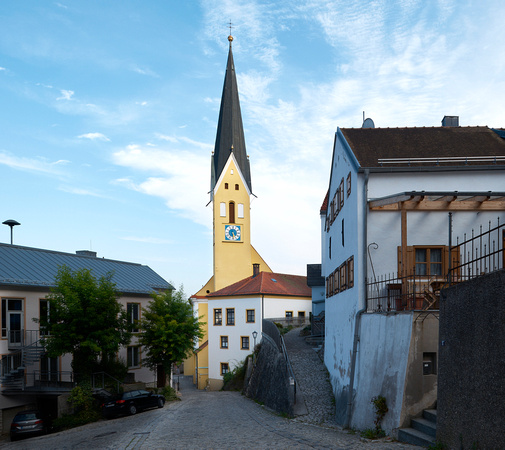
{"type": "Point", "coordinates": [182, 178]}
{"type": "Point", "coordinates": [144, 71]}
{"type": "Point", "coordinates": [66, 94]}
{"type": "Point", "coordinates": [147, 240]}
{"type": "Point", "coordinates": [81, 191]}
{"type": "Point", "coordinates": [32, 164]}
{"type": "Point", "coordinates": [94, 137]}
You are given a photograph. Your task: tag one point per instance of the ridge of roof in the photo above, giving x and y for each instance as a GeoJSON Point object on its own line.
{"type": "Point", "coordinates": [230, 130]}
{"type": "Point", "coordinates": [267, 283]}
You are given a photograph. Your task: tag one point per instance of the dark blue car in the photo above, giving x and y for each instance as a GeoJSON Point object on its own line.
{"type": "Point", "coordinates": [132, 402]}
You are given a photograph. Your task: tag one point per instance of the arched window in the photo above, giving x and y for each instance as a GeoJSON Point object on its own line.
{"type": "Point", "coordinates": [236, 187]}
{"type": "Point", "coordinates": [226, 185]}
{"type": "Point", "coordinates": [231, 210]}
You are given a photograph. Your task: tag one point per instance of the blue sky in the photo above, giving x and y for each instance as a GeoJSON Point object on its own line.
{"type": "Point", "coordinates": [108, 112]}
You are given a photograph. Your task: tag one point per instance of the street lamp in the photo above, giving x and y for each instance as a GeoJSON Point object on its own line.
{"type": "Point", "coordinates": [11, 223]}
{"type": "Point", "coordinates": [255, 335]}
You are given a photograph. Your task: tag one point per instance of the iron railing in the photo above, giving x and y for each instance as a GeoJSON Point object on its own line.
{"type": "Point", "coordinates": [408, 293]}
{"type": "Point", "coordinates": [479, 254]}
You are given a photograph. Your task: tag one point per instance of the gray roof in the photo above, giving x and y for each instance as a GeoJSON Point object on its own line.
{"type": "Point", "coordinates": [29, 267]}
{"type": "Point", "coordinates": [230, 131]}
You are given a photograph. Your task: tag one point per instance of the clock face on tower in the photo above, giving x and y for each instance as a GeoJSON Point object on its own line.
{"type": "Point", "coordinates": [232, 233]}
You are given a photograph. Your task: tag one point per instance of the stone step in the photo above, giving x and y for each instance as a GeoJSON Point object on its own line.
{"type": "Point", "coordinates": [425, 426]}
{"type": "Point", "coordinates": [415, 437]}
{"type": "Point", "coordinates": [430, 414]}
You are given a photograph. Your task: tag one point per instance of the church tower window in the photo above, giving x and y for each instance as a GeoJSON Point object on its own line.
{"type": "Point", "coordinates": [222, 209]}
{"type": "Point", "coordinates": [236, 187]}
{"type": "Point", "coordinates": [226, 185]}
{"type": "Point", "coordinates": [240, 212]}
{"type": "Point", "coordinates": [231, 208]}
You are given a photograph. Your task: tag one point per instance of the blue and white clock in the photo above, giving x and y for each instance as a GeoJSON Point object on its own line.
{"type": "Point", "coordinates": [232, 233]}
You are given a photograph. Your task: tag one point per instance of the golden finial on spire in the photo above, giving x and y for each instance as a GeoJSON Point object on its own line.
{"type": "Point", "coordinates": [230, 37]}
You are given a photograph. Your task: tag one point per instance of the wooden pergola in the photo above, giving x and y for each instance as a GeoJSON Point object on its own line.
{"type": "Point", "coordinates": [426, 201]}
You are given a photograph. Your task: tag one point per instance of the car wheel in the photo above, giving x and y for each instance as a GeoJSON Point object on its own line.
{"type": "Point", "coordinates": [132, 409]}
{"type": "Point", "coordinates": [160, 403]}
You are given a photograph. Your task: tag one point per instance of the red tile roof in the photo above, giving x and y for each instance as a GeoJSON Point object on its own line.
{"type": "Point", "coordinates": [324, 206]}
{"type": "Point", "coordinates": [267, 283]}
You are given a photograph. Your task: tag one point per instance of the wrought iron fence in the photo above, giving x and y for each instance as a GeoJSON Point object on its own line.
{"type": "Point", "coordinates": [479, 254]}
{"type": "Point", "coordinates": [410, 293]}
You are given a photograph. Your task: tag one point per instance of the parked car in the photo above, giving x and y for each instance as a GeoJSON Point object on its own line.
{"type": "Point", "coordinates": [29, 423]}
{"type": "Point", "coordinates": [132, 402]}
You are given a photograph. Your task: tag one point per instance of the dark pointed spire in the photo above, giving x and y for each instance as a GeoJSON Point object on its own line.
{"type": "Point", "coordinates": [230, 132]}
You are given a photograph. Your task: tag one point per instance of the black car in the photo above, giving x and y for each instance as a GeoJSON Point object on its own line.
{"type": "Point", "coordinates": [132, 402]}
{"type": "Point", "coordinates": [29, 423]}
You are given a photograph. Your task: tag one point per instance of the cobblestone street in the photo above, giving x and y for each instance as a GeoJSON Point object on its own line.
{"type": "Point", "coordinates": [206, 420]}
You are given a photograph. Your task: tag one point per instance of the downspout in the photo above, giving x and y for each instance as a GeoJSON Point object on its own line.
{"type": "Point", "coordinates": [357, 320]}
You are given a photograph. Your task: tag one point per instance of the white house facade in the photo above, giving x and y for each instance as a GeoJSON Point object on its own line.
{"type": "Point", "coordinates": [393, 196]}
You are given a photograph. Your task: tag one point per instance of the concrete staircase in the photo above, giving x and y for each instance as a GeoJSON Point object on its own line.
{"type": "Point", "coordinates": [422, 431]}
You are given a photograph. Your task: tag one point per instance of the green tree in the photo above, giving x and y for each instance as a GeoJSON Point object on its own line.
{"type": "Point", "coordinates": [84, 319]}
{"type": "Point", "coordinates": [169, 330]}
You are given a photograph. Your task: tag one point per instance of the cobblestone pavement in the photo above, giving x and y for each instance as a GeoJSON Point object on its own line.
{"type": "Point", "coordinates": [205, 420]}
{"type": "Point", "coordinates": [312, 380]}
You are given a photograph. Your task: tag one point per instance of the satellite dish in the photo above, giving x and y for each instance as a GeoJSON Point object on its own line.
{"type": "Point", "coordinates": [368, 123]}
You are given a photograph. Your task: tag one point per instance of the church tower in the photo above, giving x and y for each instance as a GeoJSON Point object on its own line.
{"type": "Point", "coordinates": [231, 190]}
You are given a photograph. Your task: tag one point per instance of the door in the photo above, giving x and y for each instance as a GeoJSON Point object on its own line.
{"type": "Point", "coordinates": [15, 322]}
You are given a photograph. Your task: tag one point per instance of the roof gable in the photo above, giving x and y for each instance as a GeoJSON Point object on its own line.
{"type": "Point", "coordinates": [33, 267]}
{"type": "Point", "coordinates": [267, 283]}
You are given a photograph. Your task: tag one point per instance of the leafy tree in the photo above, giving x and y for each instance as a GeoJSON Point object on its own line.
{"type": "Point", "coordinates": [169, 330]}
{"type": "Point", "coordinates": [85, 319]}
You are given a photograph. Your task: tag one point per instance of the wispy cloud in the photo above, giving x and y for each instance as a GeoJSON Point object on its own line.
{"type": "Point", "coordinates": [66, 94]}
{"type": "Point", "coordinates": [144, 71]}
{"type": "Point", "coordinates": [94, 137]}
{"type": "Point", "coordinates": [181, 180]}
{"type": "Point", "coordinates": [81, 191]}
{"type": "Point", "coordinates": [147, 240]}
{"type": "Point", "coordinates": [31, 164]}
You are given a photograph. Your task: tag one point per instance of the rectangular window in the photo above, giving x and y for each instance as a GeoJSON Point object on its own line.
{"type": "Point", "coordinates": [218, 316]}
{"type": "Point", "coordinates": [12, 319]}
{"type": "Point", "coordinates": [289, 314]}
{"type": "Point", "coordinates": [301, 313]}
{"type": "Point", "coordinates": [349, 184]}
{"type": "Point", "coordinates": [230, 316]}
{"type": "Point", "coordinates": [428, 261]}
{"type": "Point", "coordinates": [341, 279]}
{"type": "Point", "coordinates": [222, 209]}
{"type": "Point", "coordinates": [240, 210]}
{"type": "Point", "coordinates": [225, 368]}
{"type": "Point", "coordinates": [133, 356]}
{"type": "Point", "coordinates": [224, 341]}
{"type": "Point", "coordinates": [133, 314]}
{"type": "Point", "coordinates": [251, 313]}
{"type": "Point", "coordinates": [44, 313]}
{"type": "Point", "coordinates": [244, 342]}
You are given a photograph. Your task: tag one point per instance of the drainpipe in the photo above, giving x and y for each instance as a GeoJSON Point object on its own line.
{"type": "Point", "coordinates": [357, 320]}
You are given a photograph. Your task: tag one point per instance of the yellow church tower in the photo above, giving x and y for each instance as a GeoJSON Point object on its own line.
{"type": "Point", "coordinates": [234, 256]}
{"type": "Point", "coordinates": [231, 190]}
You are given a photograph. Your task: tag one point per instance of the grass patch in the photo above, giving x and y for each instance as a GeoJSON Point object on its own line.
{"type": "Point", "coordinates": [373, 433]}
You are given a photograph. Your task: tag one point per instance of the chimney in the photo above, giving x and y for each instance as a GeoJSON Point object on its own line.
{"type": "Point", "coordinates": [86, 253]}
{"type": "Point", "coordinates": [450, 121]}
{"type": "Point", "coordinates": [256, 270]}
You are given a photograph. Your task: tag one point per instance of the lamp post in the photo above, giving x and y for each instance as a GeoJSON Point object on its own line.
{"type": "Point", "coordinates": [11, 223]}
{"type": "Point", "coordinates": [255, 335]}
